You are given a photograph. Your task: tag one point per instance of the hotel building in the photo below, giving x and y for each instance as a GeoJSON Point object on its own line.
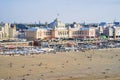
{"type": "Point", "coordinates": [57, 29]}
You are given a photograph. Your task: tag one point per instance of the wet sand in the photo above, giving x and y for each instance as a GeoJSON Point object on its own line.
{"type": "Point", "coordinates": [88, 65]}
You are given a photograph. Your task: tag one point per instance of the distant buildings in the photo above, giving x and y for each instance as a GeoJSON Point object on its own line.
{"type": "Point", "coordinates": [57, 29]}
{"type": "Point", "coordinates": [111, 30]}
{"type": "Point", "coordinates": [7, 31]}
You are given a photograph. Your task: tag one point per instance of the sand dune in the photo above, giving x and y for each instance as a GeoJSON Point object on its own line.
{"type": "Point", "coordinates": [88, 65]}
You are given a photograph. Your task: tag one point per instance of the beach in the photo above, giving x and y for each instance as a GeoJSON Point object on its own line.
{"type": "Point", "coordinates": [98, 64]}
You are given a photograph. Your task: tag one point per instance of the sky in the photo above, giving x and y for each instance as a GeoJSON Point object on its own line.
{"type": "Point", "coordinates": [68, 11]}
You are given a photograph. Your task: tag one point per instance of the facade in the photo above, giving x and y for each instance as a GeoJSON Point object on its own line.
{"type": "Point", "coordinates": [74, 30]}
{"type": "Point", "coordinates": [112, 32]}
{"type": "Point", "coordinates": [12, 32]}
{"type": "Point", "coordinates": [109, 31]}
{"type": "Point", "coordinates": [1, 31]}
{"type": "Point", "coordinates": [57, 29]}
{"type": "Point", "coordinates": [31, 33]}
{"type": "Point", "coordinates": [38, 33]}
{"type": "Point", "coordinates": [7, 31]}
{"type": "Point", "coordinates": [87, 33]}
{"type": "Point", "coordinates": [116, 32]}
{"type": "Point", "coordinates": [4, 31]}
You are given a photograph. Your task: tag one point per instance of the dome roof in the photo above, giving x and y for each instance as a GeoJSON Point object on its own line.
{"type": "Point", "coordinates": [56, 23]}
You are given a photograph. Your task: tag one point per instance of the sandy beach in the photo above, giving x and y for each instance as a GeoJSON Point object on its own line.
{"type": "Point", "coordinates": [101, 64]}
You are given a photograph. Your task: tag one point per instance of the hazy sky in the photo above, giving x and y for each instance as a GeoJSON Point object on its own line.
{"type": "Point", "coordinates": [26, 11]}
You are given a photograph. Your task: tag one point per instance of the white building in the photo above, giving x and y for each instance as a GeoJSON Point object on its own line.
{"type": "Point", "coordinates": [7, 31]}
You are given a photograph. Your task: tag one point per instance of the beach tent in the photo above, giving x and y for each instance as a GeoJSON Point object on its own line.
{"type": "Point", "coordinates": [10, 47]}
{"type": "Point", "coordinates": [71, 43]}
